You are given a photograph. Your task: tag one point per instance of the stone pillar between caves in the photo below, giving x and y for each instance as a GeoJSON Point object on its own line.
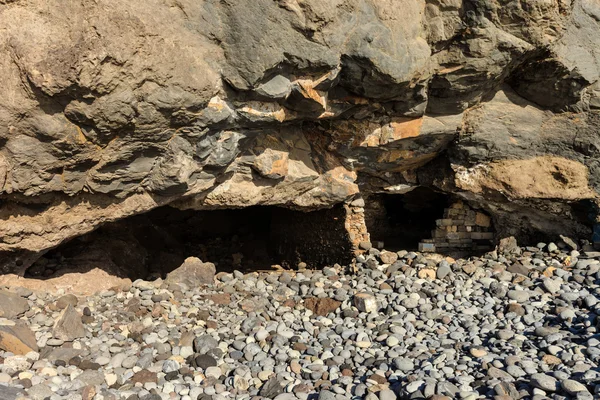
{"type": "Point", "coordinates": [356, 225]}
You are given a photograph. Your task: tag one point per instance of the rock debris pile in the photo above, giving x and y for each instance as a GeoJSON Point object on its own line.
{"type": "Point", "coordinates": [515, 323]}
{"type": "Point", "coordinates": [461, 227]}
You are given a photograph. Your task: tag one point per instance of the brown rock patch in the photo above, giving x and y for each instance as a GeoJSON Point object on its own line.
{"type": "Point", "coordinates": [321, 306]}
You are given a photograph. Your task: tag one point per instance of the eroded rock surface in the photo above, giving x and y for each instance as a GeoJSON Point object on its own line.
{"type": "Point", "coordinates": [110, 109]}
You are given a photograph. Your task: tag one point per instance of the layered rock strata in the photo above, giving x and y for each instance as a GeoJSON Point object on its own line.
{"type": "Point", "coordinates": [110, 109]}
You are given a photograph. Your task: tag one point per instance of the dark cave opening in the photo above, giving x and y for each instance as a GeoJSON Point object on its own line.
{"type": "Point", "coordinates": [401, 221]}
{"type": "Point", "coordinates": [152, 244]}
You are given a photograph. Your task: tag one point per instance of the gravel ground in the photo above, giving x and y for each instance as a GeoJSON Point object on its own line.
{"type": "Point", "coordinates": [521, 324]}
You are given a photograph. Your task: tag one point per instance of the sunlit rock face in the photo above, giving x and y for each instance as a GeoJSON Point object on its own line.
{"type": "Point", "coordinates": [113, 108]}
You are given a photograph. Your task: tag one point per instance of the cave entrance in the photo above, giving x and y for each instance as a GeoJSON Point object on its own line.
{"type": "Point", "coordinates": [402, 221]}
{"type": "Point", "coordinates": [152, 244]}
{"type": "Point", "coordinates": [428, 221]}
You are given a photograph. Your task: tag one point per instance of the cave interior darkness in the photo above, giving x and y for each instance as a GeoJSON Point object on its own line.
{"type": "Point", "coordinates": [156, 242]}
{"type": "Point", "coordinates": [253, 238]}
{"type": "Point", "coordinates": [401, 221]}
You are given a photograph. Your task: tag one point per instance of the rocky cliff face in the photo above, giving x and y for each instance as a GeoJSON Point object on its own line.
{"type": "Point", "coordinates": [113, 108]}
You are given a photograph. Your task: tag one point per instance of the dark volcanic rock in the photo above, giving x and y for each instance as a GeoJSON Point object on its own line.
{"type": "Point", "coordinates": [303, 106]}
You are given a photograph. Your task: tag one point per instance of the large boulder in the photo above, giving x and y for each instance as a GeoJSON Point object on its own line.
{"type": "Point", "coordinates": [193, 273]}
{"type": "Point", "coordinates": [17, 338]}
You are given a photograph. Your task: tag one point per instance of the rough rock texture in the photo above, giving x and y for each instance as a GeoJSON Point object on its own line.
{"type": "Point", "coordinates": [12, 305]}
{"type": "Point", "coordinates": [68, 327]}
{"type": "Point", "coordinates": [17, 338]}
{"type": "Point", "coordinates": [193, 272]}
{"type": "Point", "coordinates": [110, 109]}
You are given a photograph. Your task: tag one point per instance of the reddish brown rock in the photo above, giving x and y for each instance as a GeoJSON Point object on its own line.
{"type": "Point", "coordinates": [378, 378]}
{"type": "Point", "coordinates": [144, 376]}
{"type": "Point", "coordinates": [322, 306]}
{"type": "Point", "coordinates": [219, 298]}
{"type": "Point", "coordinates": [516, 308]}
{"type": "Point", "coordinates": [551, 360]}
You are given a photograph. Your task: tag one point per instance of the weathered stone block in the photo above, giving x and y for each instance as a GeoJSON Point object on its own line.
{"type": "Point", "coordinates": [426, 247]}
{"type": "Point", "coordinates": [366, 302]}
{"type": "Point", "coordinates": [482, 220]}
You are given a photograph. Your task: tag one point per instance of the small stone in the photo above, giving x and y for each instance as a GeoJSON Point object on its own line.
{"type": "Point", "coordinates": [5, 378]}
{"type": "Point", "coordinates": [551, 360]}
{"type": "Point", "coordinates": [205, 361]}
{"type": "Point", "coordinates": [272, 388]}
{"type": "Point", "coordinates": [590, 301]}
{"type": "Point", "coordinates": [388, 257]}
{"type": "Point", "coordinates": [110, 379]}
{"type": "Point", "coordinates": [515, 308]}
{"type": "Point", "coordinates": [573, 387]}
{"type": "Point", "coordinates": [569, 242]}
{"type": "Point", "coordinates": [387, 394]}
{"type": "Point", "coordinates": [204, 343]}
{"type": "Point", "coordinates": [404, 364]}
{"type": "Point", "coordinates": [551, 285]}
{"type": "Point", "coordinates": [39, 392]}
{"type": "Point", "coordinates": [552, 247]}
{"type": "Point", "coordinates": [543, 331]}
{"type": "Point", "coordinates": [497, 373]}
{"type": "Point", "coordinates": [426, 273]}
{"type": "Point", "coordinates": [279, 87]}
{"type": "Point", "coordinates": [520, 296]}
{"type": "Point", "coordinates": [508, 245]}
{"type": "Point", "coordinates": [144, 376]}
{"type": "Point", "coordinates": [505, 334]}
{"type": "Point", "coordinates": [478, 352]}
{"type": "Point", "coordinates": [326, 395]}
{"type": "Point", "coordinates": [264, 375]}
{"type": "Point", "coordinates": [410, 302]}
{"type": "Point", "coordinates": [443, 271]}
{"type": "Point", "coordinates": [568, 315]}
{"type": "Point", "coordinates": [366, 302]}
{"type": "Point", "coordinates": [392, 341]}
{"type": "Point", "coordinates": [414, 386]}
{"type": "Point", "coordinates": [88, 393]}
{"type": "Point", "coordinates": [365, 245]}
{"type": "Point", "coordinates": [545, 382]}
{"type": "Point", "coordinates": [186, 351]}
{"type": "Point", "coordinates": [518, 268]}
{"type": "Point", "coordinates": [91, 377]}
{"type": "Point", "coordinates": [170, 366]}
{"type": "Point", "coordinates": [65, 300]}
{"type": "Point", "coordinates": [14, 364]}
{"type": "Point", "coordinates": [214, 372]}
{"type": "Point", "coordinates": [262, 334]}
